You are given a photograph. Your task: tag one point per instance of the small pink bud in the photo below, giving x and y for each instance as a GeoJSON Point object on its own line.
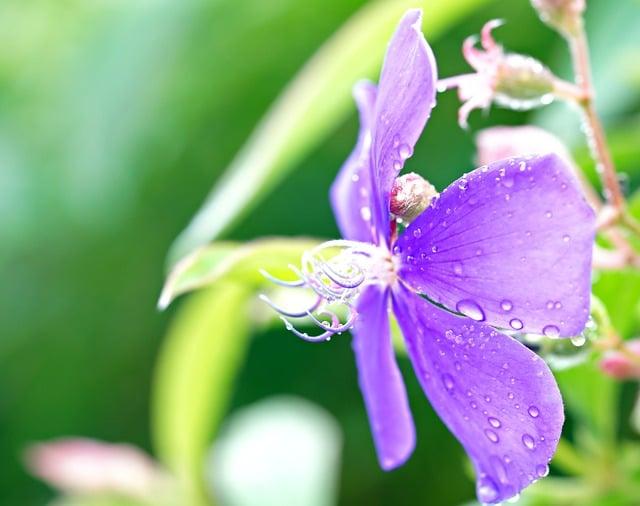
{"type": "Point", "coordinates": [410, 195]}
{"type": "Point", "coordinates": [623, 365]}
{"type": "Point", "coordinates": [77, 465]}
{"type": "Point", "coordinates": [497, 143]}
{"type": "Point", "coordinates": [563, 15]}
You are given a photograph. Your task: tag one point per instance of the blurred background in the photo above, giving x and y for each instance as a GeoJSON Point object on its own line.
{"type": "Point", "coordinates": [116, 119]}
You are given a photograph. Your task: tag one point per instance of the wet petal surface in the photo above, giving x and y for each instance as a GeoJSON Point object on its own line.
{"type": "Point", "coordinates": [509, 244]}
{"type": "Point", "coordinates": [351, 192]}
{"type": "Point", "coordinates": [406, 95]}
{"type": "Point", "coordinates": [380, 380]}
{"type": "Point", "coordinates": [496, 396]}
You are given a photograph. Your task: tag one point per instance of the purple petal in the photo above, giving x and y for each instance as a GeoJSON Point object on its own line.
{"type": "Point", "coordinates": [496, 396]}
{"type": "Point", "coordinates": [406, 95]}
{"type": "Point", "coordinates": [380, 381]}
{"type": "Point", "coordinates": [510, 244]}
{"type": "Point", "coordinates": [351, 191]}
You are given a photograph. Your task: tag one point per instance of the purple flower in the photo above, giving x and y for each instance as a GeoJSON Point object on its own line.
{"type": "Point", "coordinates": [508, 246]}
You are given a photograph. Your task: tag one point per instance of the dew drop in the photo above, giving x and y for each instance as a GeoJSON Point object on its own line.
{"type": "Point", "coordinates": [457, 268]}
{"type": "Point", "coordinates": [365, 213]}
{"type": "Point", "coordinates": [550, 304]}
{"type": "Point", "coordinates": [471, 309]}
{"type": "Point", "coordinates": [507, 182]}
{"type": "Point", "coordinates": [551, 331]}
{"type": "Point", "coordinates": [404, 151]}
{"type": "Point", "coordinates": [397, 165]}
{"type": "Point", "coordinates": [528, 441]}
{"type": "Point", "coordinates": [417, 233]}
{"type": "Point", "coordinates": [491, 436]}
{"type": "Point", "coordinates": [578, 340]}
{"type": "Point", "coordinates": [355, 178]}
{"type": "Point", "coordinates": [548, 214]}
{"type": "Point", "coordinates": [449, 334]}
{"type": "Point", "coordinates": [494, 422]}
{"type": "Point", "coordinates": [434, 249]}
{"type": "Point", "coordinates": [542, 470]}
{"type": "Point", "coordinates": [510, 396]}
{"type": "Point", "coordinates": [506, 305]}
{"type": "Point", "coordinates": [533, 411]}
{"type": "Point", "coordinates": [473, 405]}
{"type": "Point", "coordinates": [566, 238]}
{"type": "Point", "coordinates": [516, 324]}
{"type": "Point", "coordinates": [487, 490]}
{"type": "Point", "coordinates": [447, 381]}
{"type": "Point", "coordinates": [463, 184]}
{"type": "Point", "coordinates": [558, 305]}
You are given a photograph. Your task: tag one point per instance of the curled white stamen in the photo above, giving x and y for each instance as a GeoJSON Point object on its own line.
{"type": "Point", "coordinates": [336, 271]}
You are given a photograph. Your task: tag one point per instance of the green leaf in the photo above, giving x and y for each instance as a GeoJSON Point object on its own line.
{"type": "Point", "coordinates": [197, 364]}
{"type": "Point", "coordinates": [313, 104]}
{"type": "Point", "coordinates": [240, 261]}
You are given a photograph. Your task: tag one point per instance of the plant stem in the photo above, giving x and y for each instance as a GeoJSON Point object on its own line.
{"type": "Point", "coordinates": [595, 132]}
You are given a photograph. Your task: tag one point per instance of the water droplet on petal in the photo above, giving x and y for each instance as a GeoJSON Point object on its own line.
{"type": "Point", "coordinates": [516, 324]}
{"type": "Point", "coordinates": [365, 213]}
{"type": "Point", "coordinates": [471, 309]}
{"type": "Point", "coordinates": [533, 411]}
{"type": "Point", "coordinates": [494, 422]}
{"type": "Point", "coordinates": [434, 249]}
{"type": "Point", "coordinates": [558, 305]}
{"type": "Point", "coordinates": [542, 470]}
{"type": "Point", "coordinates": [528, 441]}
{"type": "Point", "coordinates": [510, 396]}
{"type": "Point", "coordinates": [566, 238]}
{"type": "Point", "coordinates": [355, 178]}
{"type": "Point", "coordinates": [486, 490]}
{"type": "Point", "coordinates": [506, 305]}
{"type": "Point", "coordinates": [491, 436]}
{"type": "Point", "coordinates": [463, 184]}
{"type": "Point", "coordinates": [417, 233]}
{"type": "Point", "coordinates": [457, 268]}
{"type": "Point", "coordinates": [551, 331]}
{"type": "Point", "coordinates": [447, 380]}
{"type": "Point", "coordinates": [404, 151]}
{"type": "Point", "coordinates": [548, 214]}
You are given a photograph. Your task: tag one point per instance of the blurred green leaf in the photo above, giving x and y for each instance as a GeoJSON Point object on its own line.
{"type": "Point", "coordinates": [197, 364]}
{"type": "Point", "coordinates": [591, 397]}
{"type": "Point", "coordinates": [241, 261]}
{"type": "Point", "coordinates": [312, 105]}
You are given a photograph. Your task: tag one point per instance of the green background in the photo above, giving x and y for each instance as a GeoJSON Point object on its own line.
{"type": "Point", "coordinates": [116, 118]}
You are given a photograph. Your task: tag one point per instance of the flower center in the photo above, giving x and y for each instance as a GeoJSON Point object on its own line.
{"type": "Point", "coordinates": [336, 272]}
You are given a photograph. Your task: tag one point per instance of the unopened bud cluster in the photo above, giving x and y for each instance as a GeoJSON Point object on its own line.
{"type": "Point", "coordinates": [410, 195]}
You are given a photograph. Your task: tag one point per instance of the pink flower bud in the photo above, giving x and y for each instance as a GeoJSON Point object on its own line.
{"type": "Point", "coordinates": [410, 195]}
{"type": "Point", "coordinates": [563, 15]}
{"type": "Point", "coordinates": [623, 366]}
{"type": "Point", "coordinates": [78, 465]}
{"type": "Point", "coordinates": [497, 143]}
